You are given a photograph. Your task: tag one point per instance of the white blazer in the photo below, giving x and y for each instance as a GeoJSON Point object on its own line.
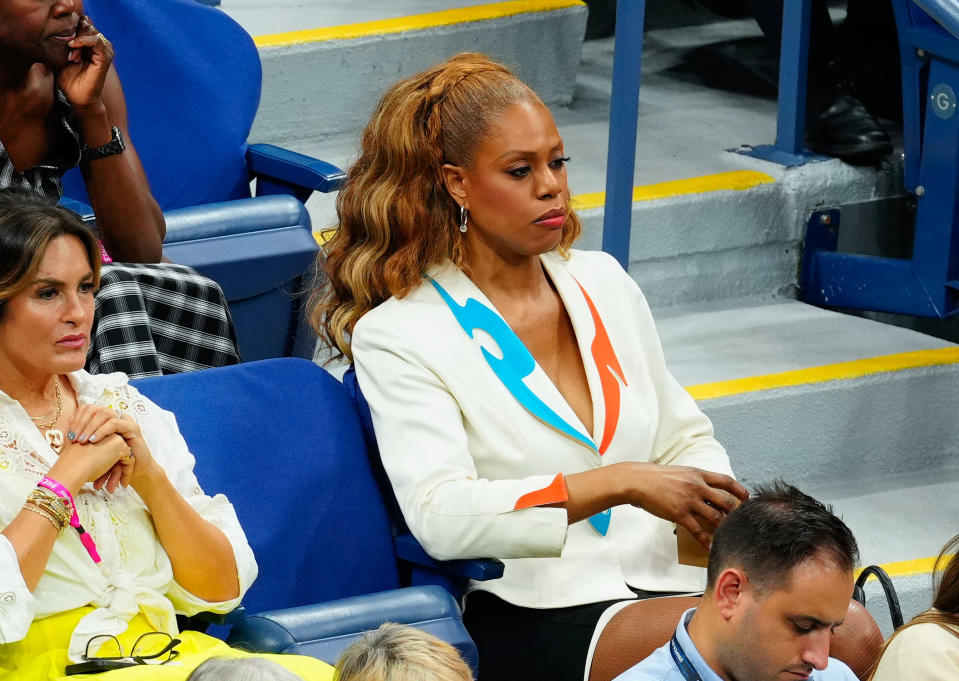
{"type": "Point", "coordinates": [473, 433]}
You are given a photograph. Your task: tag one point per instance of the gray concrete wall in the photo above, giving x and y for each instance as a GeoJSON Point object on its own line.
{"type": "Point", "coordinates": [727, 244]}
{"type": "Point", "coordinates": [850, 430]}
{"type": "Point", "coordinates": [331, 87]}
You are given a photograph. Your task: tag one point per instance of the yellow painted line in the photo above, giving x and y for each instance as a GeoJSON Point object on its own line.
{"type": "Point", "coordinates": [828, 372]}
{"type": "Point", "coordinates": [415, 22]}
{"type": "Point", "coordinates": [735, 180]}
{"type": "Point", "coordinates": [910, 568]}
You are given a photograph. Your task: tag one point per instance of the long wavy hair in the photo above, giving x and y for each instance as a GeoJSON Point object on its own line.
{"type": "Point", "coordinates": [945, 605]}
{"type": "Point", "coordinates": [396, 218]}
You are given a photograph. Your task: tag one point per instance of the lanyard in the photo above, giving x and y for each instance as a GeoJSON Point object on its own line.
{"type": "Point", "coordinates": [679, 657]}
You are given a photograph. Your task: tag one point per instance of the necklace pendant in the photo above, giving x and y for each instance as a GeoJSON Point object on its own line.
{"type": "Point", "coordinates": [54, 439]}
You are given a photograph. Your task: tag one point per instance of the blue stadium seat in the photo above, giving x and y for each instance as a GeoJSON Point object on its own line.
{"type": "Point", "coordinates": [419, 568]}
{"type": "Point", "coordinates": [282, 439]}
{"type": "Point", "coordinates": [192, 77]}
{"type": "Point", "coordinates": [259, 251]}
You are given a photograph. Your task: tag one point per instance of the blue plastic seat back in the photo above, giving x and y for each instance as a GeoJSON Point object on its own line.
{"type": "Point", "coordinates": [352, 386]}
{"type": "Point", "coordinates": [282, 440]}
{"type": "Point", "coordinates": [192, 79]}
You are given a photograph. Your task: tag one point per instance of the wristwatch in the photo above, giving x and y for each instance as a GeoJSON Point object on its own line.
{"type": "Point", "coordinates": [111, 148]}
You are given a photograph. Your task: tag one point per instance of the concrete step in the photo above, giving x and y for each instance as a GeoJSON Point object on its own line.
{"type": "Point", "coordinates": [326, 64]}
{"type": "Point", "coordinates": [820, 395]}
{"type": "Point", "coordinates": [854, 412]}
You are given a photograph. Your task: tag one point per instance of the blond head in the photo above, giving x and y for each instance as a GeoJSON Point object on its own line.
{"type": "Point", "coordinates": [396, 652]}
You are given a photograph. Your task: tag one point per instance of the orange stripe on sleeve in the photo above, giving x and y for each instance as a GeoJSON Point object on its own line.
{"type": "Point", "coordinates": [554, 493]}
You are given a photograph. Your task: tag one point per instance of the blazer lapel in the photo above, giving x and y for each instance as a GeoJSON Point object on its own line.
{"type": "Point", "coordinates": [505, 354]}
{"type": "Point", "coordinates": [603, 371]}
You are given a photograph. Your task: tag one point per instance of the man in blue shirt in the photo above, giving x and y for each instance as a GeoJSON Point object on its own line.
{"type": "Point", "coordinates": [779, 580]}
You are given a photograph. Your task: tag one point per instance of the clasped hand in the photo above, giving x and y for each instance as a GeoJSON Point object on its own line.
{"type": "Point", "coordinates": [105, 447]}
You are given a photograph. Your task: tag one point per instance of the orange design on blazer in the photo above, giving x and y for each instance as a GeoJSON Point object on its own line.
{"type": "Point", "coordinates": [607, 364]}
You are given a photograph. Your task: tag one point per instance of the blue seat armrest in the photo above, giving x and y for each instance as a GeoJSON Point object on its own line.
{"type": "Point", "coordinates": [281, 171]}
{"type": "Point", "coordinates": [480, 569]}
{"type": "Point", "coordinates": [82, 209]}
{"type": "Point", "coordinates": [229, 218]}
{"type": "Point", "coordinates": [324, 630]}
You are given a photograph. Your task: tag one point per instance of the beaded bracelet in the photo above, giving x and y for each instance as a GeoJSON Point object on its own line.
{"type": "Point", "coordinates": [41, 511]}
{"type": "Point", "coordinates": [62, 492]}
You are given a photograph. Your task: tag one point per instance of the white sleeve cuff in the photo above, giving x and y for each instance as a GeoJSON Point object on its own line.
{"type": "Point", "coordinates": [17, 605]}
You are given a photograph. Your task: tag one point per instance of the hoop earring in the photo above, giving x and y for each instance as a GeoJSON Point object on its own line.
{"type": "Point", "coordinates": [464, 217]}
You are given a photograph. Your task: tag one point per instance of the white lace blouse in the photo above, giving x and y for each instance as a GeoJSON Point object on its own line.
{"type": "Point", "coordinates": [135, 573]}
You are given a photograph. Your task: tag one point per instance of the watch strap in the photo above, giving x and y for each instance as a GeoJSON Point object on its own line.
{"type": "Point", "coordinates": [115, 146]}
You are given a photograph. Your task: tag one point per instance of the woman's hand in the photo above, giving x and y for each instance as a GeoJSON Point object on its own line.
{"type": "Point", "coordinates": [201, 555]}
{"type": "Point", "coordinates": [695, 499]}
{"type": "Point", "coordinates": [79, 464]}
{"type": "Point", "coordinates": [128, 217]}
{"type": "Point", "coordinates": [83, 77]}
{"type": "Point", "coordinates": [92, 423]}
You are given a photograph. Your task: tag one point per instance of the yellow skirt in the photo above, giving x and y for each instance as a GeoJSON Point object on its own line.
{"type": "Point", "coordinates": [42, 655]}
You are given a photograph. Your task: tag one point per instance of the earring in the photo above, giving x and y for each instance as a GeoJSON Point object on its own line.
{"type": "Point", "coordinates": [464, 216]}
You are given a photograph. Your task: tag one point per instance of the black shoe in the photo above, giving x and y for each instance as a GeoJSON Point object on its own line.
{"type": "Point", "coordinates": [844, 128]}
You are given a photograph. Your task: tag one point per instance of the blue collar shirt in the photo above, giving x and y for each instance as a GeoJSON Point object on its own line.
{"type": "Point", "coordinates": [660, 665]}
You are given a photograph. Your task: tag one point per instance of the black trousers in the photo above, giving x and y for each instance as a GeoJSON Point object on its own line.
{"type": "Point", "coordinates": [532, 644]}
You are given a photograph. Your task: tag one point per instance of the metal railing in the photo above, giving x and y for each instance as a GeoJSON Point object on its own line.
{"type": "Point", "coordinates": [624, 112]}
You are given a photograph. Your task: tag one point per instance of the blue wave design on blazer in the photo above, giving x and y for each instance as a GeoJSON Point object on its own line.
{"type": "Point", "coordinates": [517, 362]}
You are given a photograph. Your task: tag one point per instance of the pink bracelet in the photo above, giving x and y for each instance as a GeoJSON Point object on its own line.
{"type": "Point", "coordinates": [62, 492]}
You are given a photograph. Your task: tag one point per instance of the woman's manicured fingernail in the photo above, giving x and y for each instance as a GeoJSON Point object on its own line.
{"type": "Point", "coordinates": [71, 436]}
{"type": "Point", "coordinates": [93, 438]}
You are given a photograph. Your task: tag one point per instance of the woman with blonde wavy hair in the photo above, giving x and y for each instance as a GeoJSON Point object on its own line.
{"type": "Point", "coordinates": [517, 386]}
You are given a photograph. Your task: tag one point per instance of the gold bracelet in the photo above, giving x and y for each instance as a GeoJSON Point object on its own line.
{"type": "Point", "coordinates": [52, 504]}
{"type": "Point", "coordinates": [44, 494]}
{"type": "Point", "coordinates": [54, 498]}
{"type": "Point", "coordinates": [59, 519]}
{"type": "Point", "coordinates": [30, 506]}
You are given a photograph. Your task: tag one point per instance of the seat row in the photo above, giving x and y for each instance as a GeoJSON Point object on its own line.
{"type": "Point", "coordinates": [320, 519]}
